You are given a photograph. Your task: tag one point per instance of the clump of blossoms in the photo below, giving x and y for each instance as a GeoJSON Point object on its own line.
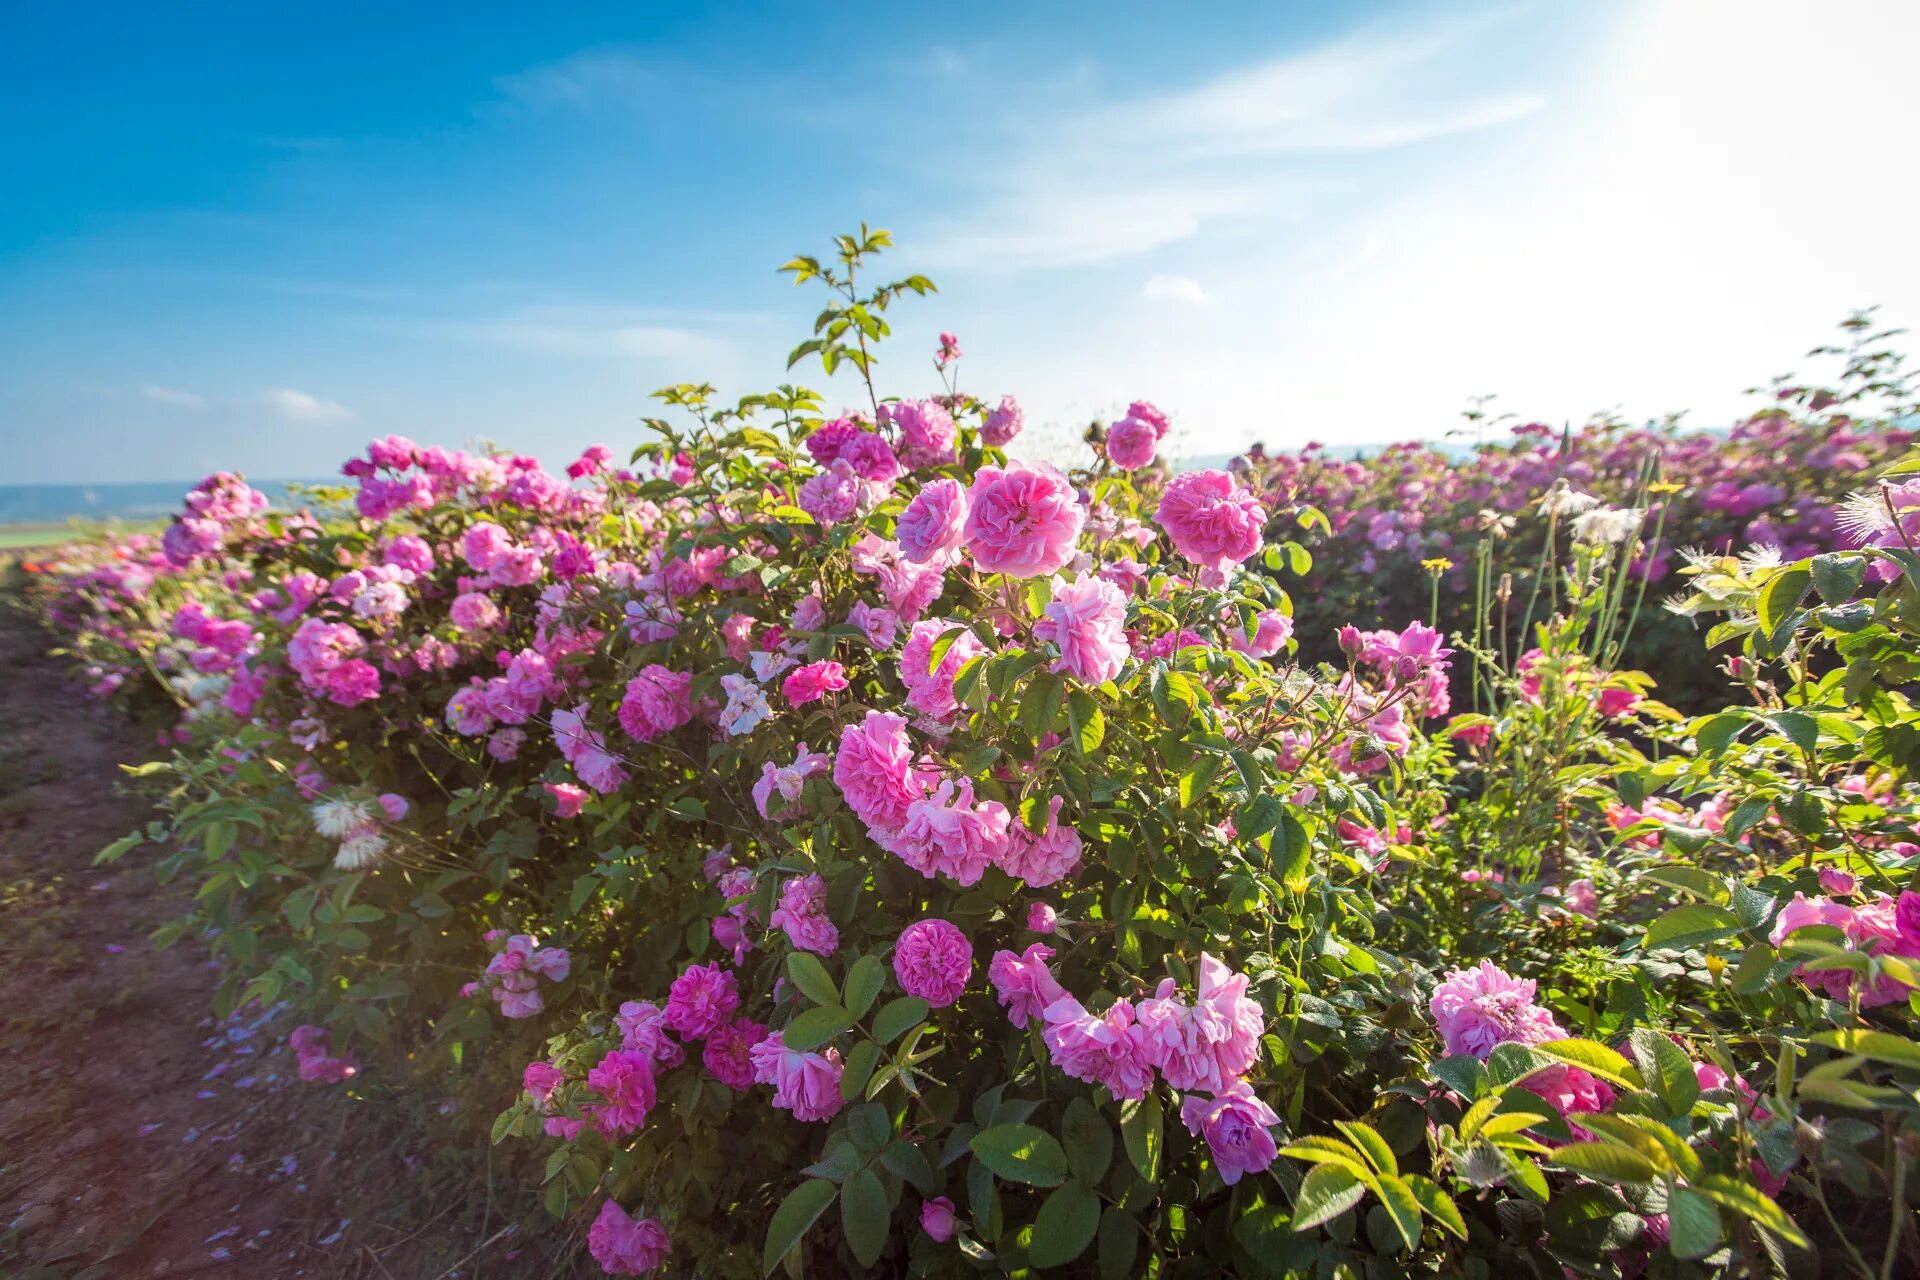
{"type": "Point", "coordinates": [941, 858]}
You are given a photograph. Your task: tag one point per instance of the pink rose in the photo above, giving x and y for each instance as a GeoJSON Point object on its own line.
{"type": "Point", "coordinates": [656, 702]}
{"type": "Point", "coordinates": [926, 431]}
{"type": "Point", "coordinates": [568, 800]}
{"type": "Point", "coordinates": [1212, 522]}
{"type": "Point", "coordinates": [1087, 621]}
{"type": "Point", "coordinates": [1041, 918]}
{"type": "Point", "coordinates": [936, 1219]}
{"type": "Point", "coordinates": [813, 682]}
{"type": "Point", "coordinates": [874, 770]}
{"type": "Point", "coordinates": [700, 999]}
{"type": "Point", "coordinates": [933, 960]}
{"type": "Point", "coordinates": [1023, 983]}
{"type": "Point", "coordinates": [1131, 443]}
{"type": "Point", "coordinates": [930, 687]}
{"type": "Point", "coordinates": [1236, 1125]}
{"type": "Point", "coordinates": [807, 1084]}
{"type": "Point", "coordinates": [625, 1246]}
{"type": "Point", "coordinates": [930, 529]}
{"type": "Point", "coordinates": [1023, 520]}
{"type": "Point", "coordinates": [1003, 424]}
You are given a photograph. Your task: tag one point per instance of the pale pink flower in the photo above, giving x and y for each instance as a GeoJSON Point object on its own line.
{"type": "Point", "coordinates": [1103, 1049]}
{"type": "Point", "coordinates": [926, 431]}
{"type": "Point", "coordinates": [807, 1084]}
{"type": "Point", "coordinates": [1087, 621]}
{"type": "Point", "coordinates": [930, 530]}
{"type": "Point", "coordinates": [1022, 520]}
{"type": "Point", "coordinates": [948, 833]}
{"type": "Point", "coordinates": [642, 1025]}
{"type": "Point", "coordinates": [788, 782]}
{"type": "Point", "coordinates": [929, 687]}
{"type": "Point", "coordinates": [1272, 630]}
{"type": "Point", "coordinates": [1041, 918]}
{"type": "Point", "coordinates": [1023, 983]}
{"type": "Point", "coordinates": [1212, 521]}
{"type": "Point", "coordinates": [1003, 424]}
{"type": "Point", "coordinates": [1210, 1043]}
{"type": "Point", "coordinates": [874, 769]}
{"type": "Point", "coordinates": [802, 915]}
{"type": "Point", "coordinates": [1046, 858]}
{"type": "Point", "coordinates": [1480, 1008]}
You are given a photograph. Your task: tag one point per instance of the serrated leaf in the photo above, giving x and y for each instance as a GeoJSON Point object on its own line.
{"type": "Point", "coordinates": [1592, 1056]}
{"type": "Point", "coordinates": [1666, 1069]}
{"type": "Point", "coordinates": [1749, 1201]}
{"type": "Point", "coordinates": [1606, 1162]}
{"type": "Point", "coordinates": [1879, 1046]}
{"type": "Point", "coordinates": [1693, 1224]}
{"type": "Point", "coordinates": [1327, 1191]}
{"type": "Point", "coordinates": [1374, 1147]}
{"type": "Point", "coordinates": [805, 971]}
{"type": "Point", "coordinates": [1064, 1226]}
{"type": "Point", "coordinates": [1021, 1153]}
{"type": "Point", "coordinates": [1401, 1206]}
{"type": "Point", "coordinates": [1436, 1204]}
{"type": "Point", "coordinates": [897, 1016]}
{"type": "Point", "coordinates": [1087, 722]}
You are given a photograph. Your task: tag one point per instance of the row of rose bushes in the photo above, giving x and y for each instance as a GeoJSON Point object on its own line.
{"type": "Point", "coordinates": [827, 843]}
{"type": "Point", "coordinates": [1401, 517]}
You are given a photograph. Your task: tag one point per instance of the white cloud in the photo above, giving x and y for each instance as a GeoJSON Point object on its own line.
{"type": "Point", "coordinates": [172, 397]}
{"type": "Point", "coordinates": [304, 409]}
{"type": "Point", "coordinates": [1244, 147]}
{"type": "Point", "coordinates": [682, 340]}
{"type": "Point", "coordinates": [1181, 289]}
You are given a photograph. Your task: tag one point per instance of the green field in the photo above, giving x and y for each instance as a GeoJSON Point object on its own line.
{"type": "Point", "coordinates": [25, 536]}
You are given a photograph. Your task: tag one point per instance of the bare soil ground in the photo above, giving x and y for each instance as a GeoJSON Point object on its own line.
{"type": "Point", "coordinates": [138, 1137]}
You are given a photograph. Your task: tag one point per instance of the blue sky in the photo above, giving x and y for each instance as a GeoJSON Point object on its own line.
{"type": "Point", "coordinates": [253, 236]}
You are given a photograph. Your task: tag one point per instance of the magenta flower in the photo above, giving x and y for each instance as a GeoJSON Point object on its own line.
{"type": "Point", "coordinates": [802, 915]}
{"type": "Point", "coordinates": [1041, 918]}
{"type": "Point", "coordinates": [1237, 1127]}
{"type": "Point", "coordinates": [656, 702]}
{"type": "Point", "coordinates": [807, 1084]}
{"type": "Point", "coordinates": [813, 682]}
{"type": "Point", "coordinates": [625, 1246]}
{"type": "Point", "coordinates": [1131, 443]}
{"type": "Point", "coordinates": [933, 960]}
{"type": "Point", "coordinates": [936, 1219]}
{"type": "Point", "coordinates": [1211, 521]}
{"type": "Point", "coordinates": [729, 1053]}
{"type": "Point", "coordinates": [700, 999]}
{"type": "Point", "coordinates": [1023, 520]}
{"type": "Point", "coordinates": [624, 1080]}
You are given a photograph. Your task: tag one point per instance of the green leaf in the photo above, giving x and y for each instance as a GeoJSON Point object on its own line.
{"type": "Point", "coordinates": [1749, 1201]}
{"type": "Point", "coordinates": [869, 1125]}
{"type": "Point", "coordinates": [1714, 735]}
{"type": "Point", "coordinates": [896, 1016]}
{"type": "Point", "coordinates": [1021, 1153]}
{"type": "Point", "coordinates": [1880, 1046]}
{"type": "Point", "coordinates": [1836, 576]}
{"type": "Point", "coordinates": [1693, 1224]}
{"type": "Point", "coordinates": [1088, 1139]}
{"type": "Point", "coordinates": [815, 1027]}
{"type": "Point", "coordinates": [1403, 1208]}
{"type": "Point", "coordinates": [864, 981]}
{"type": "Point", "coordinates": [1371, 1145]}
{"type": "Point", "coordinates": [799, 1211]}
{"type": "Point", "coordinates": [118, 849]}
{"type": "Point", "coordinates": [1690, 926]}
{"type": "Point", "coordinates": [1141, 1129]}
{"type": "Point", "coordinates": [1327, 1191]}
{"type": "Point", "coordinates": [1702, 884]}
{"type": "Point", "coordinates": [861, 1060]}
{"type": "Point", "coordinates": [1088, 723]}
{"type": "Point", "coordinates": [1436, 1204]}
{"type": "Point", "coordinates": [1606, 1162]}
{"type": "Point", "coordinates": [1064, 1226]}
{"type": "Point", "coordinates": [1592, 1056]}
{"type": "Point", "coordinates": [864, 1216]}
{"type": "Point", "coordinates": [805, 971]}
{"type": "Point", "coordinates": [1798, 727]}
{"type": "Point", "coordinates": [1119, 1244]}
{"type": "Point", "coordinates": [1782, 595]}
{"type": "Point", "coordinates": [1666, 1068]}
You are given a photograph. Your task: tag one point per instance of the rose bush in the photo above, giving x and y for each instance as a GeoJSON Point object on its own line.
{"type": "Point", "coordinates": [825, 842]}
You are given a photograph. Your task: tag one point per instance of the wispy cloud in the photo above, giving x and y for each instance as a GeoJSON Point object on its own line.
{"type": "Point", "coordinates": [172, 397]}
{"type": "Point", "coordinates": [688, 341]}
{"type": "Point", "coordinates": [1181, 289]}
{"type": "Point", "coordinates": [1129, 174]}
{"type": "Point", "coordinates": [305, 409]}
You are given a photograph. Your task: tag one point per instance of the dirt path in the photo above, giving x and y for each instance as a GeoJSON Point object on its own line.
{"type": "Point", "coordinates": [137, 1137]}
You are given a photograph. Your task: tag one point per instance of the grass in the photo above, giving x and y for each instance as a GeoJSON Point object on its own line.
{"type": "Point", "coordinates": [24, 537]}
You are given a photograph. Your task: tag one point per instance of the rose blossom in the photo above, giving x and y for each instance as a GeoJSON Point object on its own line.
{"type": "Point", "coordinates": [807, 1084]}
{"type": "Point", "coordinates": [1023, 983]}
{"type": "Point", "coordinates": [802, 915]}
{"type": "Point", "coordinates": [729, 1051]}
{"type": "Point", "coordinates": [700, 999]}
{"type": "Point", "coordinates": [1131, 443]}
{"type": "Point", "coordinates": [874, 770]}
{"type": "Point", "coordinates": [933, 960]}
{"type": "Point", "coordinates": [1022, 520]}
{"type": "Point", "coordinates": [626, 1246]}
{"type": "Point", "coordinates": [1209, 1044]}
{"type": "Point", "coordinates": [624, 1078]}
{"type": "Point", "coordinates": [1087, 621]}
{"type": "Point", "coordinates": [936, 1219]}
{"type": "Point", "coordinates": [1212, 522]}
{"type": "Point", "coordinates": [930, 687]}
{"type": "Point", "coordinates": [813, 682]}
{"type": "Point", "coordinates": [1236, 1125]}
{"type": "Point", "coordinates": [1481, 1008]}
{"type": "Point", "coordinates": [1003, 424]}
{"type": "Point", "coordinates": [930, 529]}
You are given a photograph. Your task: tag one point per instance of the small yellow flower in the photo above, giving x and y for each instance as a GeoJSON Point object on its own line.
{"type": "Point", "coordinates": [1664, 486]}
{"type": "Point", "coordinates": [1297, 886]}
{"type": "Point", "coordinates": [1439, 564]}
{"type": "Point", "coordinates": [1716, 965]}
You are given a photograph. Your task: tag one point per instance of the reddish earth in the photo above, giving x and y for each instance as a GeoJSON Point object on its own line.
{"type": "Point", "coordinates": [138, 1138]}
